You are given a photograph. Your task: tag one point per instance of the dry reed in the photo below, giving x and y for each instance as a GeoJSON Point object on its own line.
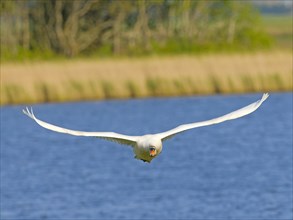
{"type": "Point", "coordinates": [143, 77]}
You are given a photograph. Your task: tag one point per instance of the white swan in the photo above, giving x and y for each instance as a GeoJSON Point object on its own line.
{"type": "Point", "coordinates": [147, 147]}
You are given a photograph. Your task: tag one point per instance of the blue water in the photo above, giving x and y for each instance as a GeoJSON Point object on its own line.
{"type": "Point", "coordinates": [240, 169]}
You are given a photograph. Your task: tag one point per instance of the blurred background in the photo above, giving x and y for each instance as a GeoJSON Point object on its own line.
{"type": "Point", "coordinates": [94, 49]}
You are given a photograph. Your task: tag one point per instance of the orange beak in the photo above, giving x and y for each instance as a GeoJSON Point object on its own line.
{"type": "Point", "coordinates": [153, 152]}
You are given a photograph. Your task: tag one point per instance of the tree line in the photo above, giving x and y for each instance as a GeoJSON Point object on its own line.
{"type": "Point", "coordinates": [77, 27]}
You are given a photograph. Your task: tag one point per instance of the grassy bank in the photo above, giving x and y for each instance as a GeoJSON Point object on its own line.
{"type": "Point", "coordinates": [73, 80]}
{"type": "Point", "coordinates": [279, 27]}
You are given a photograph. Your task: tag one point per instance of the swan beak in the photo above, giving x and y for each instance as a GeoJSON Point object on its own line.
{"type": "Point", "coordinates": [153, 152]}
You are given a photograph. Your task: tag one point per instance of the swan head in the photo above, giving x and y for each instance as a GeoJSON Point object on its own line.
{"type": "Point", "coordinates": [153, 151]}
{"type": "Point", "coordinates": [155, 148]}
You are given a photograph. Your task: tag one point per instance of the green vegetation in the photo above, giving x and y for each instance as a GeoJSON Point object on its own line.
{"type": "Point", "coordinates": [96, 49]}
{"type": "Point", "coordinates": [280, 27]}
{"type": "Point", "coordinates": [58, 29]}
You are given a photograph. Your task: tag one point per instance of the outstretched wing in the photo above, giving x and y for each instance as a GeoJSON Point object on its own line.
{"type": "Point", "coordinates": [111, 136]}
{"type": "Point", "coordinates": [233, 115]}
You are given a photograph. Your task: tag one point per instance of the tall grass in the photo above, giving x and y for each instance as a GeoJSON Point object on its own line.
{"type": "Point", "coordinates": [145, 77]}
{"type": "Point", "coordinates": [133, 89]}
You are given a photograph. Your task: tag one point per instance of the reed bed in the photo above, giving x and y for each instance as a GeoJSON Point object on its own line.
{"type": "Point", "coordinates": [74, 80]}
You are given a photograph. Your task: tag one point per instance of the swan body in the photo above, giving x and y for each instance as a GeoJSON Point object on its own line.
{"type": "Point", "coordinates": [149, 146]}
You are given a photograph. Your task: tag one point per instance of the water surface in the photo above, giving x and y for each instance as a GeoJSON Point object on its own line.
{"type": "Point", "coordinates": [240, 169]}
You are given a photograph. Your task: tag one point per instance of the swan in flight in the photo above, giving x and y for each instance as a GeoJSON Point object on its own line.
{"type": "Point", "coordinates": [148, 146]}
